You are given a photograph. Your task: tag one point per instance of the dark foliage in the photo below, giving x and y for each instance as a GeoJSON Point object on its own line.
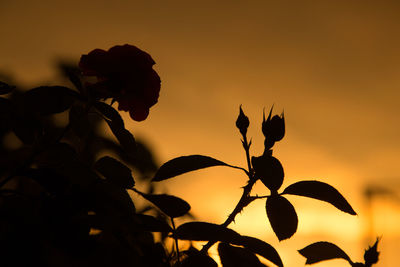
{"type": "Point", "coordinates": [322, 251]}
{"type": "Point", "coordinates": [63, 202]}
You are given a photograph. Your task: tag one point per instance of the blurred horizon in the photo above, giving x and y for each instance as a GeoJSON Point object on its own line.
{"type": "Point", "coordinates": [332, 67]}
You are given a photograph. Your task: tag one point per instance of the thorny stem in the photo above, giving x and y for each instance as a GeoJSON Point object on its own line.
{"type": "Point", "coordinates": [246, 147]}
{"type": "Point", "coordinates": [244, 200]}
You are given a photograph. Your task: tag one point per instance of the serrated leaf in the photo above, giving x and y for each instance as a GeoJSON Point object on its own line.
{"type": "Point", "coordinates": [185, 164]}
{"type": "Point", "coordinates": [282, 216]}
{"type": "Point", "coordinates": [152, 224]}
{"type": "Point", "coordinates": [236, 256]}
{"type": "Point", "coordinates": [116, 124]}
{"type": "Point", "coordinates": [262, 248]}
{"type": "Point", "coordinates": [322, 251]}
{"type": "Point", "coordinates": [115, 172]}
{"type": "Point", "coordinates": [321, 191]}
{"type": "Point", "coordinates": [47, 100]}
{"type": "Point", "coordinates": [5, 88]}
{"type": "Point", "coordinates": [203, 231]}
{"type": "Point", "coordinates": [269, 170]}
{"type": "Point", "coordinates": [124, 137]}
{"type": "Point", "coordinates": [171, 205]}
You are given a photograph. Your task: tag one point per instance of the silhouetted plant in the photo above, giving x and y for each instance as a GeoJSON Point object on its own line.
{"type": "Point", "coordinates": [322, 251]}
{"type": "Point", "coordinates": [63, 202]}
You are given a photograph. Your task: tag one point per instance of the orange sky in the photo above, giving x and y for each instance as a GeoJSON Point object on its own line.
{"type": "Point", "coordinates": [333, 66]}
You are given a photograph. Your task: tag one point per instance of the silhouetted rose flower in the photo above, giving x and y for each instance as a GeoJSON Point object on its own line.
{"type": "Point", "coordinates": [124, 73]}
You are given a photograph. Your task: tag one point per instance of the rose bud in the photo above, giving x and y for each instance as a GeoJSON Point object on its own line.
{"type": "Point", "coordinates": [273, 128]}
{"type": "Point", "coordinates": [242, 122]}
{"type": "Point", "coordinates": [371, 255]}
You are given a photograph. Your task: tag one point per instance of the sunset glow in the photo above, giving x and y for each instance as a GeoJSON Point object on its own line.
{"type": "Point", "coordinates": [331, 66]}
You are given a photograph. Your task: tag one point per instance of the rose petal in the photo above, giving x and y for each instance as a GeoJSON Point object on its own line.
{"type": "Point", "coordinates": [139, 114]}
{"type": "Point", "coordinates": [92, 63]}
{"type": "Point", "coordinates": [130, 53]}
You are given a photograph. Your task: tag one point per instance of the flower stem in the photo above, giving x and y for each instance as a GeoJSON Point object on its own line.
{"type": "Point", "coordinates": [245, 199]}
{"type": "Point", "coordinates": [246, 147]}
